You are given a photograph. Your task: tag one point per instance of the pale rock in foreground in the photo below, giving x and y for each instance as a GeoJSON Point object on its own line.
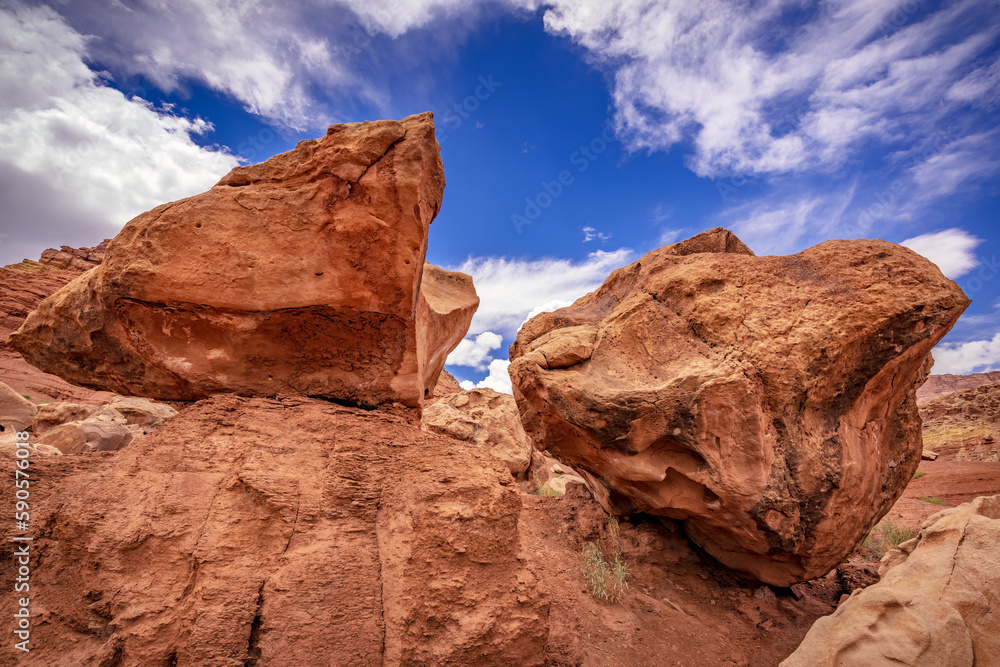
{"type": "Point", "coordinates": [142, 412]}
{"type": "Point", "coordinates": [16, 412]}
{"type": "Point", "coordinates": [51, 415]}
{"type": "Point", "coordinates": [935, 604]}
{"type": "Point", "coordinates": [768, 403]}
{"type": "Point", "coordinates": [301, 274]}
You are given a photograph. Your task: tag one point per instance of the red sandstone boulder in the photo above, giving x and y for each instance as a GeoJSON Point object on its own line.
{"type": "Point", "coordinates": [304, 273]}
{"type": "Point", "coordinates": [768, 403]}
{"type": "Point", "coordinates": [280, 532]}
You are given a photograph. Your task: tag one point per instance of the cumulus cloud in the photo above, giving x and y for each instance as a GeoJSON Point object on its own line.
{"type": "Point", "coordinates": [762, 94]}
{"type": "Point", "coordinates": [301, 65]}
{"type": "Point", "coordinates": [77, 158]}
{"type": "Point", "coordinates": [978, 356]}
{"type": "Point", "coordinates": [953, 250]}
{"type": "Point", "coordinates": [475, 352]}
{"type": "Point", "coordinates": [509, 289]}
{"type": "Point", "coordinates": [497, 380]}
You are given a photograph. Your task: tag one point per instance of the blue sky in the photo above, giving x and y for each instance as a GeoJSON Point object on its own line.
{"type": "Point", "coordinates": [576, 134]}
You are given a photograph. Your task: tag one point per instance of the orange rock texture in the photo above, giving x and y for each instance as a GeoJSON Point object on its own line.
{"type": "Point", "coordinates": [290, 531]}
{"type": "Point", "coordinates": [304, 274]}
{"type": "Point", "coordinates": [768, 403]}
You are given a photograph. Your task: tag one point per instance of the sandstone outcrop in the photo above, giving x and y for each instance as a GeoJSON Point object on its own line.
{"type": "Point", "coordinates": [84, 437]}
{"type": "Point", "coordinates": [22, 287]}
{"type": "Point", "coordinates": [51, 415]}
{"type": "Point", "coordinates": [281, 532]}
{"type": "Point", "coordinates": [940, 385]}
{"type": "Point", "coordinates": [768, 403]}
{"type": "Point", "coordinates": [141, 412]}
{"type": "Point", "coordinates": [301, 274]}
{"type": "Point", "coordinates": [964, 425]}
{"type": "Point", "coordinates": [934, 604]}
{"type": "Point", "coordinates": [16, 412]}
{"type": "Point", "coordinates": [485, 418]}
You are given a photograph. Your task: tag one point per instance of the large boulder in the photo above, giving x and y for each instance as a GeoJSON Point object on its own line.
{"type": "Point", "coordinates": [304, 273]}
{"type": "Point", "coordinates": [280, 532]}
{"type": "Point", "coordinates": [768, 403]}
{"type": "Point", "coordinates": [933, 606]}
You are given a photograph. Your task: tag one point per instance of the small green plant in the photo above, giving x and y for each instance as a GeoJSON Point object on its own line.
{"type": "Point", "coordinates": [26, 396]}
{"type": "Point", "coordinates": [544, 490]}
{"type": "Point", "coordinates": [885, 537]}
{"type": "Point", "coordinates": [919, 474]}
{"type": "Point", "coordinates": [932, 499]}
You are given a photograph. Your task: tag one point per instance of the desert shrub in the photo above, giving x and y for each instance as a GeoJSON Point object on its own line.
{"type": "Point", "coordinates": [919, 474]}
{"type": "Point", "coordinates": [605, 580]}
{"type": "Point", "coordinates": [544, 490]}
{"type": "Point", "coordinates": [885, 537]}
{"type": "Point", "coordinates": [933, 500]}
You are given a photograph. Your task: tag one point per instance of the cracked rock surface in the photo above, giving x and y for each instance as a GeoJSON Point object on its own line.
{"type": "Point", "coordinates": [251, 531]}
{"type": "Point", "coordinates": [302, 274]}
{"type": "Point", "coordinates": [935, 603]}
{"type": "Point", "coordinates": [767, 403]}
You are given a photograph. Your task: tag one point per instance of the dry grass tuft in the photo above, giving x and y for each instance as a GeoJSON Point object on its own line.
{"type": "Point", "coordinates": [885, 537]}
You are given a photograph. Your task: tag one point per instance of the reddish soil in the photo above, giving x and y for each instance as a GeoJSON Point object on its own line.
{"type": "Point", "coordinates": [951, 482]}
{"type": "Point", "coordinates": [681, 608]}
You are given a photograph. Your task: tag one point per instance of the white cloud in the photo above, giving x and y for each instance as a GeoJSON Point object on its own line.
{"type": "Point", "coordinates": [78, 159]}
{"type": "Point", "coordinates": [475, 352]}
{"type": "Point", "coordinates": [953, 250]}
{"type": "Point", "coordinates": [777, 225]}
{"type": "Point", "coordinates": [590, 233]}
{"type": "Point", "coordinates": [497, 380]}
{"type": "Point", "coordinates": [978, 356]}
{"type": "Point", "coordinates": [547, 307]}
{"type": "Point", "coordinates": [510, 289]}
{"type": "Point", "coordinates": [271, 57]}
{"type": "Point", "coordinates": [958, 166]}
{"type": "Point", "coordinates": [300, 65]}
{"type": "Point", "coordinates": [761, 94]}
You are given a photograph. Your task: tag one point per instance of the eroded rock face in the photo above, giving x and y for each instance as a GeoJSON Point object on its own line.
{"type": "Point", "coordinates": [16, 412]}
{"type": "Point", "coordinates": [932, 606]}
{"type": "Point", "coordinates": [281, 532]}
{"type": "Point", "coordinates": [304, 274]}
{"type": "Point", "coordinates": [768, 403]}
{"type": "Point", "coordinates": [485, 418]}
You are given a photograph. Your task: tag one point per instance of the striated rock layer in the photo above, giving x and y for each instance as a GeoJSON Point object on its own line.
{"type": "Point", "coordinates": [934, 604]}
{"type": "Point", "coordinates": [941, 385]}
{"type": "Point", "coordinates": [280, 532]}
{"type": "Point", "coordinates": [768, 403]}
{"type": "Point", "coordinates": [304, 274]}
{"type": "Point", "coordinates": [24, 285]}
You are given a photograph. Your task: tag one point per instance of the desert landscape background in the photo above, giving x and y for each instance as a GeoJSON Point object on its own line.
{"type": "Point", "coordinates": [501, 332]}
{"type": "Point", "coordinates": [308, 489]}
